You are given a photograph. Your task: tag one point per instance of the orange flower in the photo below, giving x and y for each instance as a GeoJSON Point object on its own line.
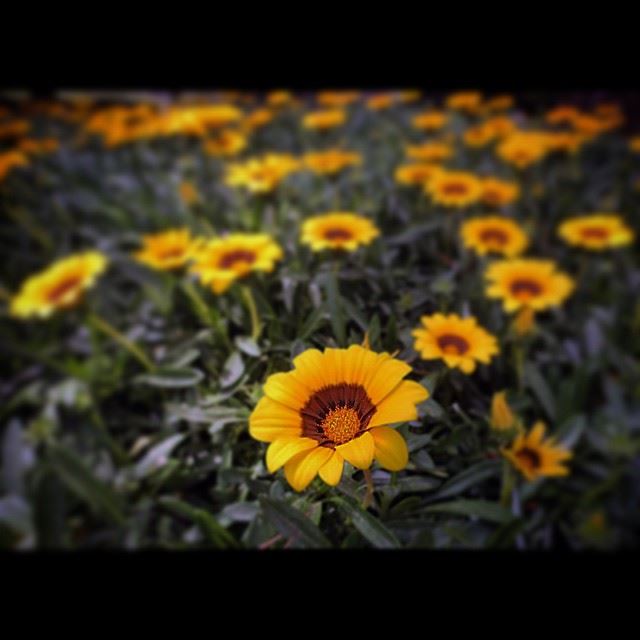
{"type": "Point", "coordinates": [469, 101]}
{"type": "Point", "coordinates": [418, 173]}
{"type": "Point", "coordinates": [380, 101]}
{"type": "Point", "coordinates": [227, 143]}
{"type": "Point", "coordinates": [498, 193]}
{"type": "Point", "coordinates": [429, 151]}
{"type": "Point", "coordinates": [323, 120]}
{"type": "Point", "coordinates": [14, 128]}
{"type": "Point", "coordinates": [499, 103]}
{"type": "Point", "coordinates": [454, 188]}
{"type": "Point", "coordinates": [562, 114]}
{"type": "Point", "coordinates": [38, 146]}
{"type": "Point", "coordinates": [478, 136]}
{"type": "Point", "coordinates": [257, 119]}
{"type": "Point", "coordinates": [330, 161]}
{"type": "Point", "coordinates": [523, 148]}
{"type": "Point", "coordinates": [9, 160]}
{"type": "Point", "coordinates": [279, 98]}
{"type": "Point", "coordinates": [337, 98]}
{"type": "Point", "coordinates": [429, 120]}
{"type": "Point", "coordinates": [500, 126]}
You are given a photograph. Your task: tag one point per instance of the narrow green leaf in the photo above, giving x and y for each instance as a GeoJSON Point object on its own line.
{"type": "Point", "coordinates": [468, 478]}
{"type": "Point", "coordinates": [536, 382]}
{"type": "Point", "coordinates": [484, 509]}
{"type": "Point", "coordinates": [171, 378]}
{"type": "Point", "coordinates": [371, 529]}
{"type": "Point", "coordinates": [334, 304]}
{"type": "Point", "coordinates": [232, 370]}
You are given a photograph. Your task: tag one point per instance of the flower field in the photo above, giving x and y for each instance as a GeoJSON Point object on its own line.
{"type": "Point", "coordinates": [342, 319]}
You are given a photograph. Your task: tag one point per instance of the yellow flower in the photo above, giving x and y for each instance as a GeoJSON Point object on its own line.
{"type": "Point", "coordinates": [454, 188]}
{"type": "Point", "coordinates": [9, 160]}
{"type": "Point", "coordinates": [227, 143]}
{"type": "Point", "coordinates": [535, 457]}
{"type": "Point", "coordinates": [562, 114]}
{"type": "Point", "coordinates": [634, 144]}
{"type": "Point", "coordinates": [494, 234]}
{"type": "Point", "coordinates": [14, 128]}
{"type": "Point", "coordinates": [38, 146]}
{"type": "Point", "coordinates": [60, 286]}
{"type": "Point", "coordinates": [330, 161]}
{"type": "Point", "coordinates": [460, 342]}
{"type": "Point", "coordinates": [478, 136]}
{"type": "Point", "coordinates": [321, 120]}
{"type": "Point", "coordinates": [335, 406]}
{"type": "Point", "coordinates": [337, 98]}
{"type": "Point", "coordinates": [596, 232]}
{"type": "Point", "coordinates": [500, 126]}
{"type": "Point", "coordinates": [222, 261]}
{"type": "Point", "coordinates": [499, 103]}
{"type": "Point", "coordinates": [261, 175]}
{"type": "Point", "coordinates": [590, 125]}
{"type": "Point", "coordinates": [502, 418]}
{"type": "Point", "coordinates": [170, 249]}
{"type": "Point", "coordinates": [409, 95]}
{"type": "Point", "coordinates": [429, 151]}
{"type": "Point", "coordinates": [524, 322]}
{"type": "Point", "coordinates": [418, 173]}
{"type": "Point", "coordinates": [188, 192]}
{"type": "Point", "coordinates": [380, 101]}
{"type": "Point", "coordinates": [279, 98]}
{"type": "Point", "coordinates": [498, 193]}
{"type": "Point", "coordinates": [527, 282]}
{"type": "Point", "coordinates": [338, 230]}
{"type": "Point", "coordinates": [523, 148]}
{"type": "Point", "coordinates": [257, 119]}
{"type": "Point", "coordinates": [429, 120]}
{"type": "Point", "coordinates": [565, 141]}
{"type": "Point", "coordinates": [469, 101]}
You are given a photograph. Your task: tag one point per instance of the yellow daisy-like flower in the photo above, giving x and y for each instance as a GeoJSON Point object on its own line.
{"type": "Point", "coordinates": [9, 160]}
{"type": "Point", "coordinates": [335, 406]}
{"type": "Point", "coordinates": [562, 114]}
{"type": "Point", "coordinates": [418, 173]}
{"type": "Point", "coordinates": [166, 250]}
{"type": "Point", "coordinates": [460, 342]}
{"type": "Point", "coordinates": [536, 457]}
{"type": "Point", "coordinates": [330, 161]}
{"type": "Point", "coordinates": [409, 95]}
{"type": "Point", "coordinates": [500, 126]}
{"type": "Point", "coordinates": [261, 175]}
{"type": "Point", "coordinates": [380, 101]}
{"type": "Point", "coordinates": [502, 417]}
{"type": "Point", "coordinates": [590, 125]}
{"type": "Point", "coordinates": [454, 188]}
{"type": "Point", "coordinates": [221, 261]}
{"type": "Point", "coordinates": [60, 286]}
{"type": "Point", "coordinates": [494, 234]}
{"type": "Point", "coordinates": [429, 151]}
{"type": "Point", "coordinates": [499, 103]}
{"type": "Point", "coordinates": [527, 282]}
{"type": "Point", "coordinates": [429, 120]}
{"type": "Point", "coordinates": [279, 98]}
{"type": "Point", "coordinates": [323, 120]}
{"type": "Point", "coordinates": [499, 193]}
{"type": "Point", "coordinates": [469, 101]}
{"type": "Point", "coordinates": [478, 136]}
{"type": "Point", "coordinates": [14, 128]}
{"type": "Point", "coordinates": [523, 148]}
{"type": "Point", "coordinates": [567, 141]}
{"type": "Point", "coordinates": [596, 232]}
{"type": "Point", "coordinates": [256, 119]}
{"type": "Point", "coordinates": [38, 146]}
{"type": "Point", "coordinates": [337, 98]}
{"type": "Point", "coordinates": [338, 230]}
{"type": "Point", "coordinates": [226, 144]}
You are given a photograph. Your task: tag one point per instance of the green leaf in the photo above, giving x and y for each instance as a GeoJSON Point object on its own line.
{"type": "Point", "coordinates": [157, 457]}
{"type": "Point", "coordinates": [248, 345]}
{"type": "Point", "coordinates": [484, 509]}
{"type": "Point", "coordinates": [334, 304]}
{"type": "Point", "coordinates": [371, 529]}
{"type": "Point", "coordinates": [79, 479]}
{"type": "Point", "coordinates": [468, 478]}
{"type": "Point", "coordinates": [313, 321]}
{"type": "Point", "coordinates": [292, 523]}
{"type": "Point", "coordinates": [537, 384]}
{"type": "Point", "coordinates": [232, 370]}
{"type": "Point", "coordinates": [171, 378]}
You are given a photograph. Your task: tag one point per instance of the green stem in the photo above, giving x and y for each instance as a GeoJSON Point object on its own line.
{"type": "Point", "coordinates": [519, 358]}
{"type": "Point", "coordinates": [104, 326]}
{"type": "Point", "coordinates": [207, 314]}
{"type": "Point", "coordinates": [256, 325]}
{"type": "Point", "coordinates": [508, 483]}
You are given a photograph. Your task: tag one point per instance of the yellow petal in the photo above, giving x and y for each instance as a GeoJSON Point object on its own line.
{"type": "Point", "coordinates": [303, 468]}
{"type": "Point", "coordinates": [271, 420]}
{"type": "Point", "coordinates": [359, 451]}
{"type": "Point", "coordinates": [331, 471]}
{"type": "Point", "coordinates": [286, 389]}
{"type": "Point", "coordinates": [400, 405]}
{"type": "Point", "coordinates": [390, 448]}
{"type": "Point", "coordinates": [386, 376]}
{"type": "Point", "coordinates": [280, 451]}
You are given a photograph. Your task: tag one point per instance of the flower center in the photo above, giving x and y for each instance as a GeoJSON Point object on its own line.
{"type": "Point", "coordinates": [455, 189]}
{"type": "Point", "coordinates": [492, 196]}
{"type": "Point", "coordinates": [341, 424]}
{"type": "Point", "coordinates": [230, 259]}
{"type": "Point", "coordinates": [62, 288]}
{"type": "Point", "coordinates": [338, 233]}
{"type": "Point", "coordinates": [453, 345]}
{"type": "Point", "coordinates": [530, 458]}
{"type": "Point", "coordinates": [524, 289]}
{"type": "Point", "coordinates": [171, 252]}
{"type": "Point", "coordinates": [595, 233]}
{"type": "Point", "coordinates": [494, 236]}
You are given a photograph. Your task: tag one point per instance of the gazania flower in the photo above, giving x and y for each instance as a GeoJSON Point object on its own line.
{"type": "Point", "coordinates": [188, 192]}
{"type": "Point", "coordinates": [590, 125]}
{"type": "Point", "coordinates": [279, 98]}
{"type": "Point", "coordinates": [429, 120]}
{"type": "Point", "coordinates": [222, 261]}
{"type": "Point", "coordinates": [227, 143]}
{"type": "Point", "coordinates": [261, 175]}
{"type": "Point", "coordinates": [409, 95]}
{"type": "Point", "coordinates": [14, 128]}
{"type": "Point", "coordinates": [60, 286]}
{"type": "Point", "coordinates": [536, 457]}
{"type": "Point", "coordinates": [418, 173]}
{"type": "Point", "coordinates": [323, 120]}
{"type": "Point", "coordinates": [337, 98]}
{"type": "Point", "coordinates": [562, 114]}
{"type": "Point", "coordinates": [527, 282]}
{"type": "Point", "coordinates": [429, 151]}
{"type": "Point", "coordinates": [502, 418]}
{"type": "Point", "coordinates": [454, 188]}
{"type": "Point", "coordinates": [460, 342]}
{"type": "Point", "coordinates": [523, 148]}
{"type": "Point", "coordinates": [9, 160]}
{"type": "Point", "coordinates": [525, 321]}
{"type": "Point", "coordinates": [500, 126]}
{"type": "Point", "coordinates": [38, 146]}
{"type": "Point", "coordinates": [567, 141]}
{"type": "Point", "coordinates": [345, 231]}
{"type": "Point", "coordinates": [469, 101]}
{"type": "Point", "coordinates": [335, 406]}
{"type": "Point", "coordinates": [256, 119]}
{"type": "Point", "coordinates": [634, 144]}
{"type": "Point", "coordinates": [499, 103]}
{"type": "Point", "coordinates": [596, 232]}
{"type": "Point", "coordinates": [170, 249]}
{"type": "Point", "coordinates": [494, 234]}
{"type": "Point", "coordinates": [478, 136]}
{"type": "Point", "coordinates": [330, 161]}
{"type": "Point", "coordinates": [380, 101]}
{"type": "Point", "coordinates": [499, 193]}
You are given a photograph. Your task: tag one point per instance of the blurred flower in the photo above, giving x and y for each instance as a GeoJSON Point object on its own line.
{"type": "Point", "coordinates": [500, 126]}
{"type": "Point", "coordinates": [333, 406]}
{"type": "Point", "coordinates": [429, 120]}
{"type": "Point", "coordinates": [454, 188]}
{"type": "Point", "coordinates": [524, 322]}
{"type": "Point", "coordinates": [14, 128]}
{"type": "Point", "coordinates": [535, 457]}
{"type": "Point", "coordinates": [498, 193]}
{"type": "Point", "coordinates": [337, 98]}
{"type": "Point", "coordinates": [527, 282]}
{"type": "Point", "coordinates": [590, 125]}
{"type": "Point", "coordinates": [38, 146]}
{"type": "Point", "coordinates": [494, 234]}
{"type": "Point", "coordinates": [469, 101]}
{"type": "Point", "coordinates": [221, 261]}
{"type": "Point", "coordinates": [279, 98]}
{"type": "Point", "coordinates": [502, 418]}
{"type": "Point", "coordinates": [478, 136]}
{"type": "Point", "coordinates": [634, 144]}
{"type": "Point", "coordinates": [189, 192]}
{"type": "Point", "coordinates": [568, 141]}
{"type": "Point", "coordinates": [338, 230]}
{"type": "Point", "coordinates": [327, 119]}
{"type": "Point", "coordinates": [330, 161]}
{"type": "Point", "coordinates": [380, 101]}
{"type": "Point", "coordinates": [460, 342]}
{"type": "Point", "coordinates": [523, 148]}
{"type": "Point", "coordinates": [261, 175]}
{"type": "Point", "coordinates": [256, 119]}
{"type": "Point", "coordinates": [9, 160]}
{"type": "Point", "coordinates": [409, 95]}
{"type": "Point", "coordinates": [226, 143]}
{"type": "Point", "coordinates": [562, 114]}
{"type": "Point", "coordinates": [60, 286]}
{"type": "Point", "coordinates": [498, 103]}
{"type": "Point", "coordinates": [418, 173]}
{"type": "Point", "coordinates": [597, 232]}
{"type": "Point", "coordinates": [429, 151]}
{"type": "Point", "coordinates": [167, 250]}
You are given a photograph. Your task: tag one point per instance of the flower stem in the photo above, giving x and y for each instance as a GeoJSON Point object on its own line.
{"type": "Point", "coordinates": [508, 483]}
{"type": "Point", "coordinates": [256, 325]}
{"type": "Point", "coordinates": [100, 323]}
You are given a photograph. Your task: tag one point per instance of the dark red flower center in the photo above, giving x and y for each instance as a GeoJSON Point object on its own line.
{"type": "Point", "coordinates": [338, 233]}
{"type": "Point", "coordinates": [62, 288]}
{"type": "Point", "coordinates": [529, 457]}
{"type": "Point", "coordinates": [231, 258]}
{"type": "Point", "coordinates": [453, 345]}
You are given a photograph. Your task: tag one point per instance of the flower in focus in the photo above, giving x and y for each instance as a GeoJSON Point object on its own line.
{"type": "Point", "coordinates": [60, 286]}
{"type": "Point", "coordinates": [502, 418]}
{"type": "Point", "coordinates": [469, 101]}
{"type": "Point", "coordinates": [338, 230]}
{"type": "Point", "coordinates": [523, 148]}
{"type": "Point", "coordinates": [454, 188]}
{"type": "Point", "coordinates": [499, 193]}
{"type": "Point", "coordinates": [170, 249]}
{"type": "Point", "coordinates": [494, 234]}
{"type": "Point", "coordinates": [460, 342]}
{"type": "Point", "coordinates": [596, 232]}
{"type": "Point", "coordinates": [418, 173]}
{"type": "Point", "coordinates": [261, 175]}
{"type": "Point", "coordinates": [226, 143]}
{"type": "Point", "coordinates": [429, 120]}
{"type": "Point", "coordinates": [335, 406]}
{"type": "Point", "coordinates": [330, 161]}
{"type": "Point", "coordinates": [429, 151]}
{"type": "Point", "coordinates": [323, 120]}
{"type": "Point", "coordinates": [337, 98]}
{"type": "Point", "coordinates": [221, 261]}
{"type": "Point", "coordinates": [527, 282]}
{"type": "Point", "coordinates": [536, 457]}
{"type": "Point", "coordinates": [9, 160]}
